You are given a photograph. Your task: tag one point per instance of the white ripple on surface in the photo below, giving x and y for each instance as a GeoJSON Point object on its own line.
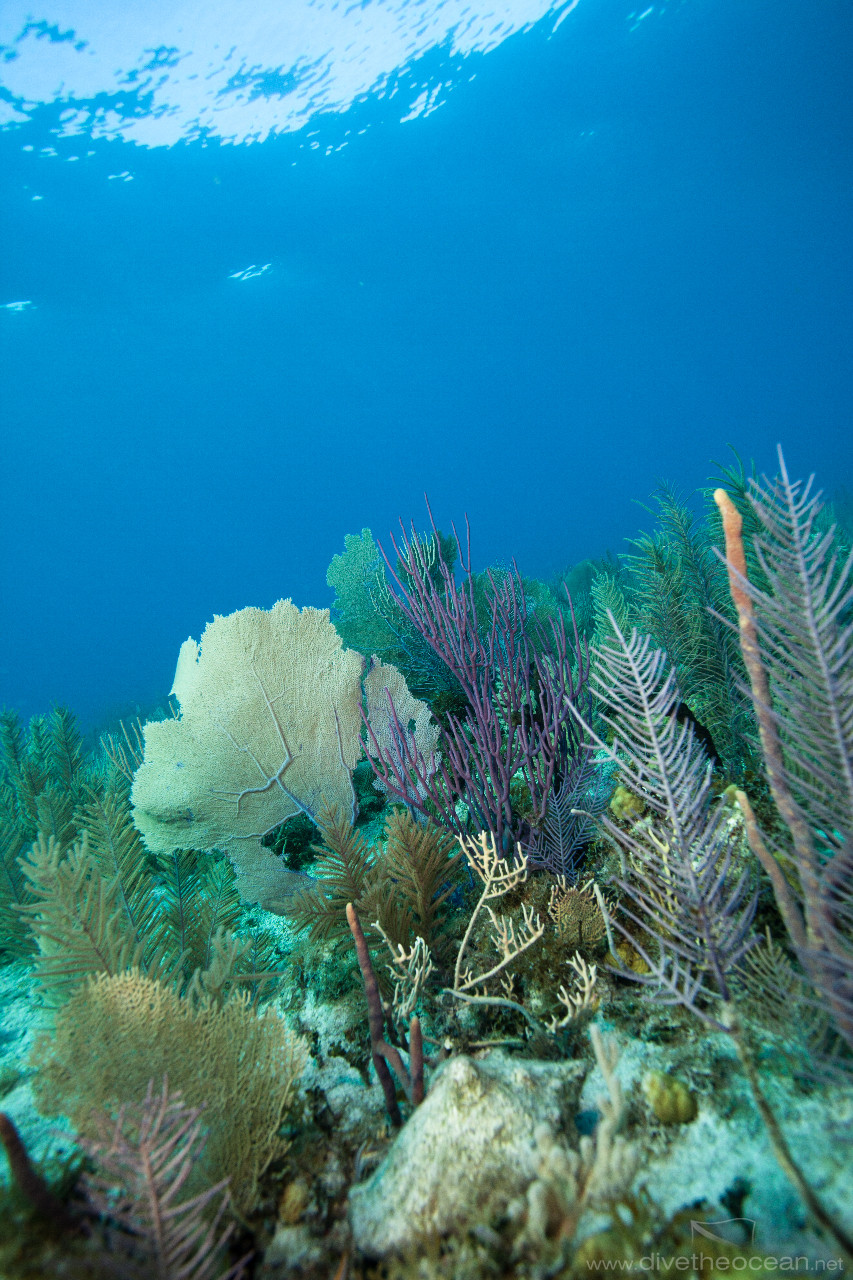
{"type": "Point", "coordinates": [236, 70]}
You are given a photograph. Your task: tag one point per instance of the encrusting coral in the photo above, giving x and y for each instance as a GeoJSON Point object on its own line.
{"type": "Point", "coordinates": [670, 1099]}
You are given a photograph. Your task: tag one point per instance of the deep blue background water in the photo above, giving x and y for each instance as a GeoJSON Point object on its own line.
{"type": "Point", "coordinates": [616, 249]}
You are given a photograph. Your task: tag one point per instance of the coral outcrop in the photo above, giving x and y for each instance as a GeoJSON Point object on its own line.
{"type": "Point", "coordinates": [470, 1145]}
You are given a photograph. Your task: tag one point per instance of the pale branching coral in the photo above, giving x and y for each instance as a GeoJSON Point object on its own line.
{"type": "Point", "coordinates": [570, 1182]}
{"type": "Point", "coordinates": [409, 971]}
{"type": "Point", "coordinates": [498, 877]}
{"type": "Point", "coordinates": [582, 995]}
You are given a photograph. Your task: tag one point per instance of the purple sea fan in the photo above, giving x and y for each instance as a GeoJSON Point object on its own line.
{"type": "Point", "coordinates": [521, 681]}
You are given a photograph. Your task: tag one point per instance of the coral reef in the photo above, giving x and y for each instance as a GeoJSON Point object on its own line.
{"type": "Point", "coordinates": [554, 975]}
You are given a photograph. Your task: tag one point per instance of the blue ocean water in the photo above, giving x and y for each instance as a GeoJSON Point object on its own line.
{"type": "Point", "coordinates": [527, 270]}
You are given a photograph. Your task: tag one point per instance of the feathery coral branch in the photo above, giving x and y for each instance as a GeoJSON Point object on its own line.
{"type": "Point", "coordinates": [797, 643]}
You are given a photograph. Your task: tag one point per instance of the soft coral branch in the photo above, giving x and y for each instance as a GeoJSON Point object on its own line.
{"type": "Point", "coordinates": [520, 680]}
